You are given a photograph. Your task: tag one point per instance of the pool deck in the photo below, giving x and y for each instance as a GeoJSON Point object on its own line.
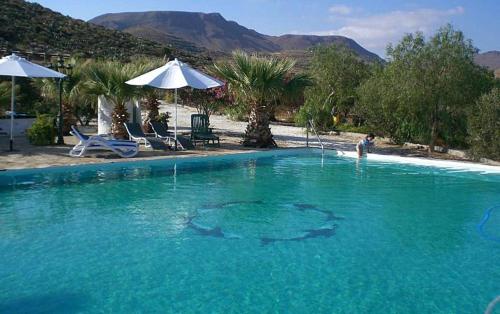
{"type": "Point", "coordinates": [28, 156]}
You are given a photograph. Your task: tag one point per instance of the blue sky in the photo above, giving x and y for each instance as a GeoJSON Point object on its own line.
{"type": "Point", "coordinates": [373, 24]}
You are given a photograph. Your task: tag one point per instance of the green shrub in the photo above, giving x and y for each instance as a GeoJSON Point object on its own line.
{"type": "Point", "coordinates": [42, 132]}
{"type": "Point", "coordinates": [320, 114]}
{"type": "Point", "coordinates": [484, 127]}
{"type": "Point", "coordinates": [237, 112]}
{"type": "Point", "coordinates": [365, 129]}
{"type": "Point", "coordinates": [44, 107]}
{"type": "Point", "coordinates": [163, 117]}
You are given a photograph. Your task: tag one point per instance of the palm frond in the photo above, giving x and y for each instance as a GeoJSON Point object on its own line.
{"type": "Point", "coordinates": [260, 80]}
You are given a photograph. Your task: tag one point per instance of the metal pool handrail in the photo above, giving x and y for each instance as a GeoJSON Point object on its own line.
{"type": "Point", "coordinates": [311, 125]}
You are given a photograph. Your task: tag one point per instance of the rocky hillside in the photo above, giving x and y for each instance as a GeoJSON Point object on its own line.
{"type": "Point", "coordinates": [31, 27]}
{"type": "Point", "coordinates": [210, 31]}
{"type": "Point", "coordinates": [213, 32]}
{"type": "Point", "coordinates": [491, 60]}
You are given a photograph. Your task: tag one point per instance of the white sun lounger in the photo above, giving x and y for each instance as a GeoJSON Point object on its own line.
{"type": "Point", "coordinates": [86, 143]}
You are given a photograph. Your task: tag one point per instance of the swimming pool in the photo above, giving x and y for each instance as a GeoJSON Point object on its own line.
{"type": "Point", "coordinates": [285, 231]}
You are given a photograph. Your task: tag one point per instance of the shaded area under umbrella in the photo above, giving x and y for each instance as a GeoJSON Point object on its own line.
{"type": "Point", "coordinates": [15, 66]}
{"type": "Point", "coordinates": [173, 75]}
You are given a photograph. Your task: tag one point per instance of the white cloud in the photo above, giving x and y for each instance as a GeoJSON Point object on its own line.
{"type": "Point", "coordinates": [377, 31]}
{"type": "Point", "coordinates": [340, 9]}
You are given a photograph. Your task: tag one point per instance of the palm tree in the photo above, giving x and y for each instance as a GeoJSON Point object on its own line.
{"type": "Point", "coordinates": [259, 83]}
{"type": "Point", "coordinates": [152, 106]}
{"type": "Point", "coordinates": [5, 95]}
{"type": "Point", "coordinates": [107, 78]}
{"type": "Point", "coordinates": [150, 95]}
{"type": "Point", "coordinates": [73, 92]}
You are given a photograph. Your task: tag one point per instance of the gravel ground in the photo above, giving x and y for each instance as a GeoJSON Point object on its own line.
{"type": "Point", "coordinates": [285, 135]}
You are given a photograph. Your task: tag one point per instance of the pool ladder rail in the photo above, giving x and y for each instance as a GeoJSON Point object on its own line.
{"type": "Point", "coordinates": [310, 125]}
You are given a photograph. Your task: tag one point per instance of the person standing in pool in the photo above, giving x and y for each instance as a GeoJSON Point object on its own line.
{"type": "Point", "coordinates": [363, 146]}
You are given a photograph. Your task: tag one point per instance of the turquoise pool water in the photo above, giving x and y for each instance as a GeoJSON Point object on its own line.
{"type": "Point", "coordinates": [256, 233]}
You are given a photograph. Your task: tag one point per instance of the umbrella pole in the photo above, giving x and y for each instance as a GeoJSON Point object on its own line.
{"type": "Point", "coordinates": [60, 135]}
{"type": "Point", "coordinates": [12, 100]}
{"type": "Point", "coordinates": [175, 124]}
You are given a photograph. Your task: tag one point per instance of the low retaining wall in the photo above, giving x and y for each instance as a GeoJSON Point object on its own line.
{"type": "Point", "coordinates": [21, 124]}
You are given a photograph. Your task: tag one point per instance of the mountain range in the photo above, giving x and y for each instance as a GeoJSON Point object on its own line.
{"type": "Point", "coordinates": [211, 31]}
{"type": "Point", "coordinates": [194, 37]}
{"type": "Point", "coordinates": [213, 34]}
{"type": "Point", "coordinates": [489, 59]}
{"type": "Point", "coordinates": [36, 30]}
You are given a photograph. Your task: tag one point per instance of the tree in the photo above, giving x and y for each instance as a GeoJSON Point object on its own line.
{"type": "Point", "coordinates": [258, 82]}
{"type": "Point", "coordinates": [337, 73]}
{"type": "Point", "coordinates": [108, 78]}
{"type": "Point", "coordinates": [426, 89]}
{"type": "Point", "coordinates": [27, 95]}
{"type": "Point", "coordinates": [74, 99]}
{"type": "Point", "coordinates": [380, 99]}
{"type": "Point", "coordinates": [152, 106]}
{"type": "Point", "coordinates": [150, 95]}
{"type": "Point", "coordinates": [484, 126]}
{"type": "Point", "coordinates": [5, 96]}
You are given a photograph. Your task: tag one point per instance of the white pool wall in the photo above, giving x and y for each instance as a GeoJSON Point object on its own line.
{"type": "Point", "coordinates": [448, 164]}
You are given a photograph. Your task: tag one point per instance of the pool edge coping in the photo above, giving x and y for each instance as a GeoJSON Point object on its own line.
{"type": "Point", "coordinates": [420, 161]}
{"type": "Point", "coordinates": [172, 159]}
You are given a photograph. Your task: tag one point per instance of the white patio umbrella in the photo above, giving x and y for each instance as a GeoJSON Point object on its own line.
{"type": "Point", "coordinates": [173, 75]}
{"type": "Point", "coordinates": [16, 66]}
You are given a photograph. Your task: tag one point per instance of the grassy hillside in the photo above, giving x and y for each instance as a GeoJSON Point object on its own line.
{"type": "Point", "coordinates": [31, 27]}
{"type": "Point", "coordinates": [289, 43]}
